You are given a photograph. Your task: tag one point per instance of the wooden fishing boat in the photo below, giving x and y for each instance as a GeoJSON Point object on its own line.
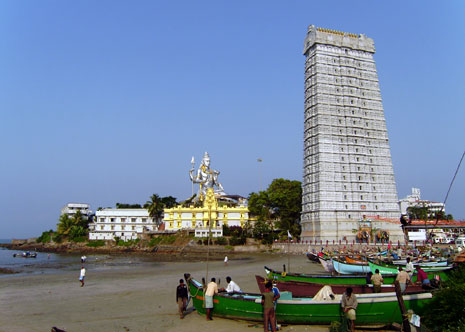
{"type": "Point", "coordinates": [351, 260]}
{"type": "Point", "coordinates": [324, 278]}
{"type": "Point", "coordinates": [313, 257]}
{"type": "Point", "coordinates": [327, 265]}
{"type": "Point", "coordinates": [309, 289]}
{"type": "Point", "coordinates": [381, 308]}
{"type": "Point", "coordinates": [346, 268]}
{"type": "Point", "coordinates": [391, 269]}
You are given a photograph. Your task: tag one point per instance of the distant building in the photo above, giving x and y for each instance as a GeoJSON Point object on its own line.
{"type": "Point", "coordinates": [198, 219]}
{"type": "Point", "coordinates": [414, 200]}
{"type": "Point", "coordinates": [126, 224]}
{"type": "Point", "coordinates": [71, 208]}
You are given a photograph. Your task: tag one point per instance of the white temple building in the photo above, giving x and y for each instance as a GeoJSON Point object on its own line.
{"type": "Point", "coordinates": [126, 224]}
{"type": "Point", "coordinates": [414, 200]}
{"type": "Point", "coordinates": [347, 175]}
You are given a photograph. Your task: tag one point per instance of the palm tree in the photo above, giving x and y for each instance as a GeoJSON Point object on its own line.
{"type": "Point", "coordinates": [155, 207]}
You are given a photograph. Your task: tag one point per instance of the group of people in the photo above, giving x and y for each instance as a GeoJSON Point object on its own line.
{"type": "Point", "coordinates": [211, 290]}
{"type": "Point", "coordinates": [404, 277]}
{"type": "Point", "coordinates": [271, 295]}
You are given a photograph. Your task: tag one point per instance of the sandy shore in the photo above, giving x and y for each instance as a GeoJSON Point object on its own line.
{"type": "Point", "coordinates": [137, 299]}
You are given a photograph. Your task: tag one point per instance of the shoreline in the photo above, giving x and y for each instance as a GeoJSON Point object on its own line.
{"type": "Point", "coordinates": [130, 298]}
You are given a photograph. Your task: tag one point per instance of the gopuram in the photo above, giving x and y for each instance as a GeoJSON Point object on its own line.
{"type": "Point", "coordinates": [348, 189]}
{"type": "Point", "coordinates": [210, 205]}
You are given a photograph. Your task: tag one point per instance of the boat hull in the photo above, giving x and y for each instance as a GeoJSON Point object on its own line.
{"type": "Point", "coordinates": [372, 308]}
{"type": "Point", "coordinates": [308, 289]}
{"type": "Point", "coordinates": [344, 268]}
{"type": "Point", "coordinates": [324, 279]}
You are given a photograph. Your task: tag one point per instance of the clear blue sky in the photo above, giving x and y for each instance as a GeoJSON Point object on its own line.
{"type": "Point", "coordinates": [107, 101]}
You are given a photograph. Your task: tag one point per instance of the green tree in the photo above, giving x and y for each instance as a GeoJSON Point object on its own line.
{"type": "Point", "coordinates": [155, 207]}
{"type": "Point", "coordinates": [64, 225]}
{"type": "Point", "coordinates": [72, 227]}
{"type": "Point", "coordinates": [286, 202]}
{"type": "Point", "coordinates": [446, 310]}
{"type": "Point", "coordinates": [417, 212]}
{"type": "Point", "coordinates": [169, 201]}
{"type": "Point", "coordinates": [128, 206]}
{"type": "Point", "coordinates": [279, 205]}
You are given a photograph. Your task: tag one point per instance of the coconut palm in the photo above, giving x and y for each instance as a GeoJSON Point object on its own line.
{"type": "Point", "coordinates": [155, 207]}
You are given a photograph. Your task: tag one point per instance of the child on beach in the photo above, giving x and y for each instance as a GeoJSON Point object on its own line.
{"type": "Point", "coordinates": [82, 275]}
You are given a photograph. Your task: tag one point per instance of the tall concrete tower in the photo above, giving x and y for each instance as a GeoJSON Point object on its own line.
{"type": "Point", "coordinates": [348, 176]}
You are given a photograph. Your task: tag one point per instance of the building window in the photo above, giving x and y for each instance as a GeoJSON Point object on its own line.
{"type": "Point", "coordinates": [133, 219]}
{"type": "Point", "coordinates": [361, 197]}
{"type": "Point", "coordinates": [123, 219]}
{"type": "Point", "coordinates": [133, 228]}
{"type": "Point", "coordinates": [112, 227]}
{"type": "Point", "coordinates": [144, 219]}
{"type": "Point", "coordinates": [102, 219]}
{"type": "Point", "coordinates": [112, 219]}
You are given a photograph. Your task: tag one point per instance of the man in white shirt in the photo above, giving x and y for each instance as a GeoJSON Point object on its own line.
{"type": "Point", "coordinates": [409, 268]}
{"type": "Point", "coordinates": [82, 275]}
{"type": "Point", "coordinates": [232, 286]}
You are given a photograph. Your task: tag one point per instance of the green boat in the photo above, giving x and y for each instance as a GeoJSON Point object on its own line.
{"type": "Point", "coordinates": [380, 308]}
{"type": "Point", "coordinates": [393, 269]}
{"type": "Point", "coordinates": [347, 279]}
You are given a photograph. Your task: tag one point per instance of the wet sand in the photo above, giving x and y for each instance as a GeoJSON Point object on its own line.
{"type": "Point", "coordinates": [136, 298]}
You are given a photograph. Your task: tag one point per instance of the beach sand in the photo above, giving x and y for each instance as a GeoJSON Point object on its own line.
{"type": "Point", "coordinates": [131, 298]}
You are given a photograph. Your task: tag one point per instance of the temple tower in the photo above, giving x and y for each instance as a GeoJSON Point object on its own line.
{"type": "Point", "coordinates": [348, 176]}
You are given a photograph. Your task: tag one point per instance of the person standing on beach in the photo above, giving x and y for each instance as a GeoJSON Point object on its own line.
{"type": "Point", "coordinates": [82, 275]}
{"type": "Point", "coordinates": [181, 297]}
{"type": "Point", "coordinates": [268, 298]}
{"type": "Point", "coordinates": [212, 289]}
{"type": "Point", "coordinates": [225, 260]}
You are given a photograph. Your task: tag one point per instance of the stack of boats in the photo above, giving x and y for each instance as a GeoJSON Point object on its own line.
{"type": "Point", "coordinates": [307, 299]}
{"type": "Point", "coordinates": [344, 264]}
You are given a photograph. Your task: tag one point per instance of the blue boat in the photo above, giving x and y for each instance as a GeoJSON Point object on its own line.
{"type": "Point", "coordinates": [346, 268]}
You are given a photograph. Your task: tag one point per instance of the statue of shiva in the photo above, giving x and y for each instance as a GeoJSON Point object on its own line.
{"type": "Point", "coordinates": [206, 178]}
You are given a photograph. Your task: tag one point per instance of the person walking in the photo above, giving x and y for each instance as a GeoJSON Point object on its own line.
{"type": "Point", "coordinates": [181, 298]}
{"type": "Point", "coordinates": [82, 275]}
{"type": "Point", "coordinates": [349, 306]}
{"type": "Point", "coordinates": [377, 281]}
{"type": "Point", "coordinates": [268, 298]}
{"type": "Point", "coordinates": [225, 260]}
{"type": "Point", "coordinates": [212, 289]}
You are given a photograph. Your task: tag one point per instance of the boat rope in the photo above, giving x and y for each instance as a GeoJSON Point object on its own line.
{"type": "Point", "coordinates": [450, 186]}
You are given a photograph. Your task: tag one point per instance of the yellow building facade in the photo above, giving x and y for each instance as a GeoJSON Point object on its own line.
{"type": "Point", "coordinates": [198, 219]}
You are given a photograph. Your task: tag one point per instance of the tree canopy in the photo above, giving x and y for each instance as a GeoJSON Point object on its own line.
{"type": "Point", "coordinates": [157, 204]}
{"type": "Point", "coordinates": [279, 206]}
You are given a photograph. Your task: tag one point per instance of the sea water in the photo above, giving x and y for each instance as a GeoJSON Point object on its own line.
{"type": "Point", "coordinates": [63, 262]}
